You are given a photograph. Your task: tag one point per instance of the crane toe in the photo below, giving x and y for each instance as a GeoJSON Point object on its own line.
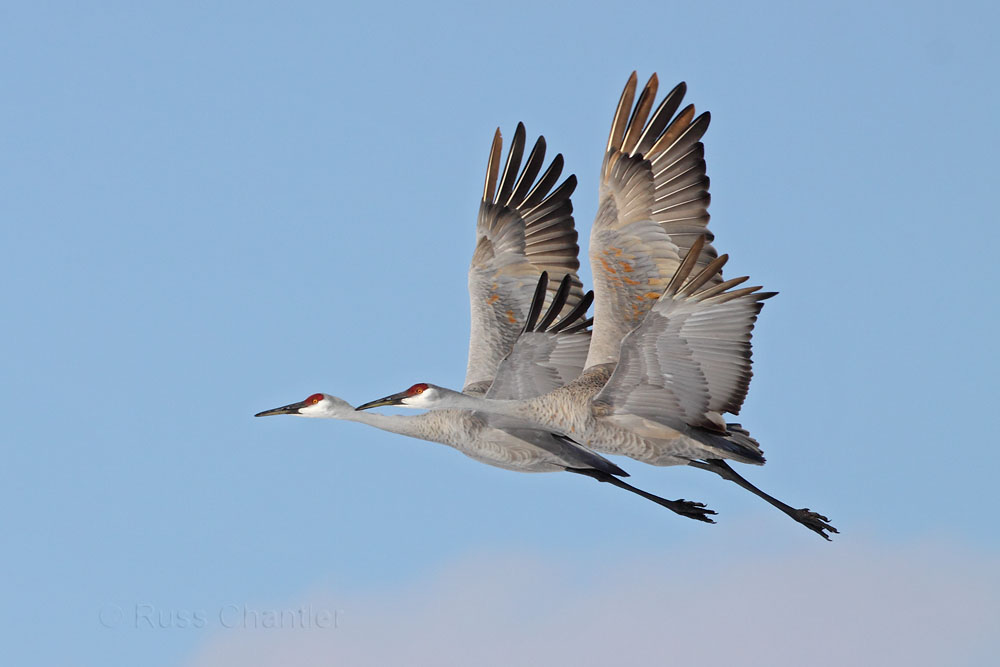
{"type": "Point", "coordinates": [814, 521]}
{"type": "Point", "coordinates": [691, 510]}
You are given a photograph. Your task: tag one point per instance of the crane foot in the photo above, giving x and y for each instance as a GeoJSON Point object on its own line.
{"type": "Point", "coordinates": [691, 510]}
{"type": "Point", "coordinates": [815, 522]}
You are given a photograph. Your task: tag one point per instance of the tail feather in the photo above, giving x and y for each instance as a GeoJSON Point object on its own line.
{"type": "Point", "coordinates": [736, 444]}
{"type": "Point", "coordinates": [740, 442]}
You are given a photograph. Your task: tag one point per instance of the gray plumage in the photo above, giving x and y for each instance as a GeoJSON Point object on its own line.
{"type": "Point", "coordinates": [549, 353]}
{"type": "Point", "coordinates": [525, 232]}
{"type": "Point", "coordinates": [524, 227]}
{"type": "Point", "coordinates": [653, 205]}
{"type": "Point", "coordinates": [679, 370]}
{"type": "Point", "coordinates": [521, 449]}
{"type": "Point", "coordinates": [687, 362]}
{"type": "Point", "coordinates": [690, 358]}
{"type": "Point", "coordinates": [670, 349]}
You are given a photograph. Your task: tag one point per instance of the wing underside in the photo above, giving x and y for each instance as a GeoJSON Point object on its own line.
{"type": "Point", "coordinates": [653, 207]}
{"type": "Point", "coordinates": [525, 227]}
{"type": "Point", "coordinates": [551, 350]}
{"type": "Point", "coordinates": [689, 361]}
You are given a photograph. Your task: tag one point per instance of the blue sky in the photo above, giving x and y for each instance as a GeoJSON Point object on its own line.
{"type": "Point", "coordinates": [210, 211]}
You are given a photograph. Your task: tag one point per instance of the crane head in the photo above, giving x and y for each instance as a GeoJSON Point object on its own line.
{"type": "Point", "coordinates": [317, 405]}
{"type": "Point", "coordinates": [420, 395]}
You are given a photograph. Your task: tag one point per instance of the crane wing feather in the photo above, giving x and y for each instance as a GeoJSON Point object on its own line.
{"type": "Point", "coordinates": [549, 353]}
{"type": "Point", "coordinates": [653, 207]}
{"type": "Point", "coordinates": [525, 227]}
{"type": "Point", "coordinates": [689, 360]}
{"type": "Point", "coordinates": [540, 363]}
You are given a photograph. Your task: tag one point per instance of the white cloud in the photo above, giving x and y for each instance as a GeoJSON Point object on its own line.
{"type": "Point", "coordinates": [857, 602]}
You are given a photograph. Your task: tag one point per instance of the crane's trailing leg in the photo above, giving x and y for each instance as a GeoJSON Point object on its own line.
{"type": "Point", "coordinates": [817, 523]}
{"type": "Point", "coordinates": [691, 510]}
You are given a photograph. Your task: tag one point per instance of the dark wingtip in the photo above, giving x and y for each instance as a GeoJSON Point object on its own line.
{"type": "Point", "coordinates": [558, 301]}
{"type": "Point", "coordinates": [578, 311]}
{"type": "Point", "coordinates": [570, 184]}
{"type": "Point", "coordinates": [536, 303]}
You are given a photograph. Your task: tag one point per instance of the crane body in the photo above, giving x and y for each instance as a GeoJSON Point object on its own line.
{"type": "Point", "coordinates": [670, 349]}
{"type": "Point", "coordinates": [525, 230]}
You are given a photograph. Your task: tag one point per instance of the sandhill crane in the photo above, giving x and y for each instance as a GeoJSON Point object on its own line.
{"type": "Point", "coordinates": [525, 229]}
{"type": "Point", "coordinates": [670, 351]}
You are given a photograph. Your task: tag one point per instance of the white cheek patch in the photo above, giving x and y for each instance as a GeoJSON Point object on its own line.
{"type": "Point", "coordinates": [311, 410]}
{"type": "Point", "coordinates": [414, 401]}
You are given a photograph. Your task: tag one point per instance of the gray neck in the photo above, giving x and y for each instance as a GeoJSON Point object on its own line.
{"type": "Point", "coordinates": [453, 400]}
{"type": "Point", "coordinates": [411, 425]}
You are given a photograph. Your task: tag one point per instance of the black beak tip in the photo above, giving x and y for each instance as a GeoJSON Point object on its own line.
{"type": "Point", "coordinates": [388, 400]}
{"type": "Point", "coordinates": [292, 409]}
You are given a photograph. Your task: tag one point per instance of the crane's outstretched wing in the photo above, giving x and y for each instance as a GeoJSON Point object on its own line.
{"type": "Point", "coordinates": [525, 227]}
{"type": "Point", "coordinates": [550, 352]}
{"type": "Point", "coordinates": [689, 360]}
{"type": "Point", "coordinates": [653, 205]}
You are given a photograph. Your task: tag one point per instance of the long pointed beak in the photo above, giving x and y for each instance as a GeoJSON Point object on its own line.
{"type": "Point", "coordinates": [290, 409]}
{"type": "Point", "coordinates": [395, 399]}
